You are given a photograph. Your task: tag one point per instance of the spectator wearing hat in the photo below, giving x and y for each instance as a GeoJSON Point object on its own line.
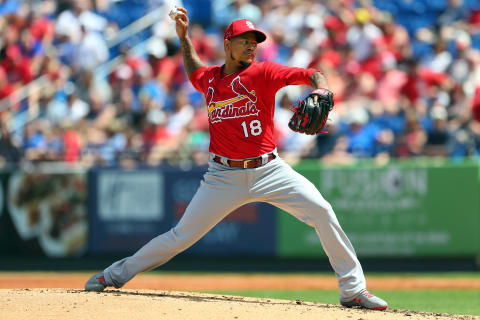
{"type": "Point", "coordinates": [115, 143]}
{"type": "Point", "coordinates": [360, 134]}
{"type": "Point", "coordinates": [181, 116]}
{"type": "Point", "coordinates": [411, 142]}
{"type": "Point", "coordinates": [91, 50]}
{"type": "Point", "coordinates": [156, 139]}
{"type": "Point", "coordinates": [100, 112]}
{"type": "Point", "coordinates": [34, 143]}
{"type": "Point", "coordinates": [438, 136]}
{"type": "Point", "coordinates": [70, 21]}
{"type": "Point", "coordinates": [362, 35]}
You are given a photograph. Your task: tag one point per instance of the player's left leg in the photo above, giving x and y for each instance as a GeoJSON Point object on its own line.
{"type": "Point", "coordinates": [221, 191]}
{"type": "Point", "coordinates": [277, 183]}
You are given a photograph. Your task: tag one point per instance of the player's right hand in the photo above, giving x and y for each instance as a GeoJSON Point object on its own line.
{"type": "Point", "coordinates": [181, 22]}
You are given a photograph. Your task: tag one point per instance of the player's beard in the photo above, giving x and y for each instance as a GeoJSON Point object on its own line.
{"type": "Point", "coordinates": [242, 63]}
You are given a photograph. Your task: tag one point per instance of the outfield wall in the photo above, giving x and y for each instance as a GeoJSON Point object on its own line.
{"type": "Point", "coordinates": [409, 209]}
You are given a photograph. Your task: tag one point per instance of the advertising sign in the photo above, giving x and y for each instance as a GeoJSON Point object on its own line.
{"type": "Point", "coordinates": [126, 209]}
{"type": "Point", "coordinates": [129, 208]}
{"type": "Point", "coordinates": [395, 211]}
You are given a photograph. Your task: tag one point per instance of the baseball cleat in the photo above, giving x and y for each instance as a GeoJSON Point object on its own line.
{"type": "Point", "coordinates": [366, 300]}
{"type": "Point", "coordinates": [96, 283]}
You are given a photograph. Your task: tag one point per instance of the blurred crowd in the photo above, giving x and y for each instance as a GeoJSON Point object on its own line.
{"type": "Point", "coordinates": [405, 74]}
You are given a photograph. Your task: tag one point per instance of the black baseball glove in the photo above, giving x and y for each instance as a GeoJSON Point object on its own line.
{"type": "Point", "coordinates": [311, 114]}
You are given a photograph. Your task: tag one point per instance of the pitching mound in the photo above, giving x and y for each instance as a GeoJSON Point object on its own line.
{"type": "Point", "coordinates": [69, 304]}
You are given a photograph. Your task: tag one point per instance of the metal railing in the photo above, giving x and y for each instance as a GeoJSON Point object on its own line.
{"type": "Point", "coordinates": [136, 26]}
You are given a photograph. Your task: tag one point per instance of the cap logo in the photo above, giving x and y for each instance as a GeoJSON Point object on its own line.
{"type": "Point", "coordinates": [249, 24]}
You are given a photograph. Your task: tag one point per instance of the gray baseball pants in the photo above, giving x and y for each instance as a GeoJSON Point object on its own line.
{"type": "Point", "coordinates": [223, 190]}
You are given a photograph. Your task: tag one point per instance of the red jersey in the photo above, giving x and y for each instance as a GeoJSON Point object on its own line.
{"type": "Point", "coordinates": [241, 105]}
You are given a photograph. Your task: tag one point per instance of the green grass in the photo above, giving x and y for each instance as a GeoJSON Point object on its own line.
{"type": "Point", "coordinates": [425, 274]}
{"type": "Point", "coordinates": [369, 274]}
{"type": "Point", "coordinates": [442, 301]}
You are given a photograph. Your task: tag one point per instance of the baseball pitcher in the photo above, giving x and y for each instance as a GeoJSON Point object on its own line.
{"type": "Point", "coordinates": [244, 165]}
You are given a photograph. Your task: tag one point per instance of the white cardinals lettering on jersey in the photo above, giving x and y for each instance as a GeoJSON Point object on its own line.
{"type": "Point", "coordinates": [232, 108]}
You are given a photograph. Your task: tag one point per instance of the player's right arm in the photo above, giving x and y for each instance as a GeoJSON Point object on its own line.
{"type": "Point", "coordinates": [191, 60]}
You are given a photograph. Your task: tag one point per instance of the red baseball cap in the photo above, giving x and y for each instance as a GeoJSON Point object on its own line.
{"type": "Point", "coordinates": [238, 27]}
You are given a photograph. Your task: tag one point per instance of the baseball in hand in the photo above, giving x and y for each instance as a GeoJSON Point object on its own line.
{"type": "Point", "coordinates": [173, 14]}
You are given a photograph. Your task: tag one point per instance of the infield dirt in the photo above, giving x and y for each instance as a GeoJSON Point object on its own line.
{"type": "Point", "coordinates": [60, 296]}
{"type": "Point", "coordinates": [72, 304]}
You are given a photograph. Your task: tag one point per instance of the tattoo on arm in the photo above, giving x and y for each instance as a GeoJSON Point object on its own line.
{"type": "Point", "coordinates": [318, 80]}
{"type": "Point", "coordinates": [190, 57]}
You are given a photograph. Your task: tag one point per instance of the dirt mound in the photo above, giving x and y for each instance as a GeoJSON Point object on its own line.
{"type": "Point", "coordinates": [69, 304]}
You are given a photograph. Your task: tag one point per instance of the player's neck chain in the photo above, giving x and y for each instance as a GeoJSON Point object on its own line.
{"type": "Point", "coordinates": [224, 75]}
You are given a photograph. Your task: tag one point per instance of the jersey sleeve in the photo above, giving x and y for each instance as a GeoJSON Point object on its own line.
{"type": "Point", "coordinates": [198, 77]}
{"type": "Point", "coordinates": [281, 76]}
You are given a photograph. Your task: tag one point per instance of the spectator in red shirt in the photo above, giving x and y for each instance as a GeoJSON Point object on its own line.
{"type": "Point", "coordinates": [203, 43]}
{"type": "Point", "coordinates": [155, 130]}
{"type": "Point", "coordinates": [414, 85]}
{"type": "Point", "coordinates": [18, 67]}
{"type": "Point", "coordinates": [157, 142]}
{"type": "Point", "coordinates": [6, 88]}
{"type": "Point", "coordinates": [41, 28]}
{"type": "Point", "coordinates": [476, 104]}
